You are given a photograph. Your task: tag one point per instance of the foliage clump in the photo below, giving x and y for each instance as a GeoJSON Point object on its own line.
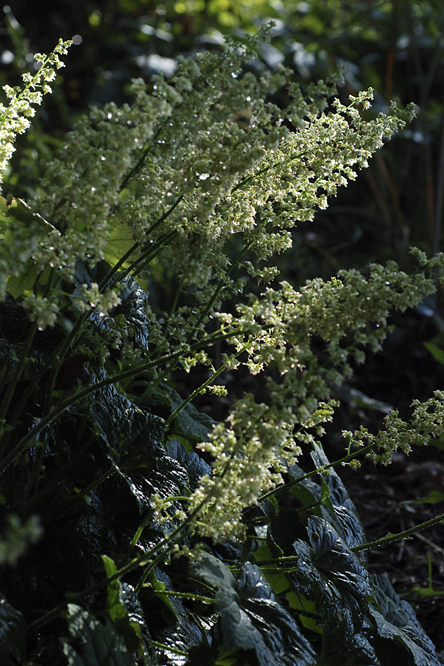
{"type": "Point", "coordinates": [154, 534]}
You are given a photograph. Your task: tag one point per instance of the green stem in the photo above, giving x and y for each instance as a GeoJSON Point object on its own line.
{"type": "Point", "coordinates": [16, 377]}
{"type": "Point", "coordinates": [277, 560]}
{"type": "Point", "coordinates": [184, 595]}
{"type": "Point", "coordinates": [143, 560]}
{"type": "Point", "coordinates": [168, 648]}
{"type": "Point", "coordinates": [174, 306]}
{"type": "Point", "coordinates": [59, 353]}
{"type": "Point", "coordinates": [103, 284]}
{"type": "Point", "coordinates": [121, 376]}
{"type": "Point", "coordinates": [218, 290]}
{"type": "Point", "coordinates": [197, 391]}
{"type": "Point", "coordinates": [319, 470]}
{"type": "Point", "coordinates": [279, 165]}
{"type": "Point", "coordinates": [390, 538]}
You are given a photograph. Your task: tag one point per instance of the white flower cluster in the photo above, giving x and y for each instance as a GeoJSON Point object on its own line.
{"type": "Point", "coordinates": [178, 182]}
{"type": "Point", "coordinates": [427, 423]}
{"type": "Point", "coordinates": [14, 118]}
{"type": "Point", "coordinates": [257, 442]}
{"type": "Point", "coordinates": [177, 172]}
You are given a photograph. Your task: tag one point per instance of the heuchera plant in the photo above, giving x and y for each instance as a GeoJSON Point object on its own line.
{"type": "Point", "coordinates": [137, 530]}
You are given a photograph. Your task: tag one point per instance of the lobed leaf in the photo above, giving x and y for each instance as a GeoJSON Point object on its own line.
{"type": "Point", "coordinates": [251, 618]}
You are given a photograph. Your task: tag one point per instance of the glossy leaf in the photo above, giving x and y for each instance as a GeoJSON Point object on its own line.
{"type": "Point", "coordinates": [329, 573]}
{"type": "Point", "coordinates": [97, 644]}
{"type": "Point", "coordinates": [133, 301]}
{"type": "Point", "coordinates": [343, 512]}
{"type": "Point", "coordinates": [195, 466]}
{"type": "Point", "coordinates": [12, 634]}
{"type": "Point", "coordinates": [193, 425]}
{"type": "Point", "coordinates": [251, 618]}
{"type": "Point", "coordinates": [395, 620]}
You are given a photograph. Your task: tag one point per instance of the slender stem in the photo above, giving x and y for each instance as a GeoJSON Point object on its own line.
{"type": "Point", "coordinates": [174, 306]}
{"type": "Point", "coordinates": [277, 560]}
{"type": "Point", "coordinates": [17, 375]}
{"type": "Point", "coordinates": [218, 290]}
{"type": "Point", "coordinates": [127, 255]}
{"type": "Point", "coordinates": [197, 391]}
{"type": "Point", "coordinates": [168, 648]}
{"type": "Point", "coordinates": [106, 280]}
{"type": "Point", "coordinates": [59, 353]}
{"type": "Point", "coordinates": [121, 376]}
{"type": "Point", "coordinates": [278, 165]}
{"type": "Point", "coordinates": [390, 538]}
{"type": "Point", "coordinates": [143, 560]}
{"type": "Point", "coordinates": [150, 253]}
{"type": "Point", "coordinates": [284, 487]}
{"type": "Point", "coordinates": [184, 595]}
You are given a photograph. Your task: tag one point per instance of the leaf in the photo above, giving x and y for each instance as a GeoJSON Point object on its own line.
{"type": "Point", "coordinates": [251, 618]}
{"type": "Point", "coordinates": [307, 491]}
{"type": "Point", "coordinates": [98, 644]}
{"type": "Point", "coordinates": [116, 609]}
{"type": "Point", "coordinates": [433, 497]}
{"type": "Point", "coordinates": [133, 301]}
{"type": "Point", "coordinates": [120, 240]}
{"type": "Point", "coordinates": [331, 575]}
{"type": "Point", "coordinates": [121, 422]}
{"type": "Point", "coordinates": [195, 466]}
{"type": "Point", "coordinates": [12, 634]}
{"type": "Point", "coordinates": [343, 513]}
{"type": "Point", "coordinates": [193, 425]}
{"type": "Point", "coordinates": [436, 352]}
{"type": "Point", "coordinates": [395, 620]}
{"type": "Point", "coordinates": [185, 633]}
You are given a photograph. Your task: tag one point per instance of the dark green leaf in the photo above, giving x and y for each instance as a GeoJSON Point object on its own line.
{"type": "Point", "coordinates": [121, 422]}
{"type": "Point", "coordinates": [194, 465]}
{"type": "Point", "coordinates": [133, 301]}
{"type": "Point", "coordinates": [329, 573]}
{"type": "Point", "coordinates": [395, 620]}
{"type": "Point", "coordinates": [193, 425]}
{"type": "Point", "coordinates": [343, 513]}
{"type": "Point", "coordinates": [184, 633]}
{"type": "Point", "coordinates": [251, 618]}
{"type": "Point", "coordinates": [98, 644]}
{"type": "Point", "coordinates": [12, 634]}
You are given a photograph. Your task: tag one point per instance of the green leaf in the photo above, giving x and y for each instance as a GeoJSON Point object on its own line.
{"type": "Point", "coordinates": [332, 576]}
{"type": "Point", "coordinates": [340, 510]}
{"type": "Point", "coordinates": [133, 301]}
{"type": "Point", "coordinates": [159, 587]}
{"type": "Point", "coordinates": [97, 644]}
{"type": "Point", "coordinates": [433, 497]}
{"type": "Point", "coordinates": [436, 352]}
{"type": "Point", "coordinates": [12, 634]}
{"type": "Point", "coordinates": [17, 285]}
{"type": "Point", "coordinates": [394, 620]}
{"type": "Point", "coordinates": [120, 240]}
{"type": "Point", "coordinates": [116, 609]}
{"type": "Point", "coordinates": [194, 425]}
{"type": "Point", "coordinates": [299, 602]}
{"type": "Point", "coordinates": [251, 618]}
{"type": "Point", "coordinates": [195, 466]}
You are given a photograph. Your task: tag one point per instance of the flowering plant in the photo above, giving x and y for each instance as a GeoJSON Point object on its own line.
{"type": "Point", "coordinates": [119, 486]}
